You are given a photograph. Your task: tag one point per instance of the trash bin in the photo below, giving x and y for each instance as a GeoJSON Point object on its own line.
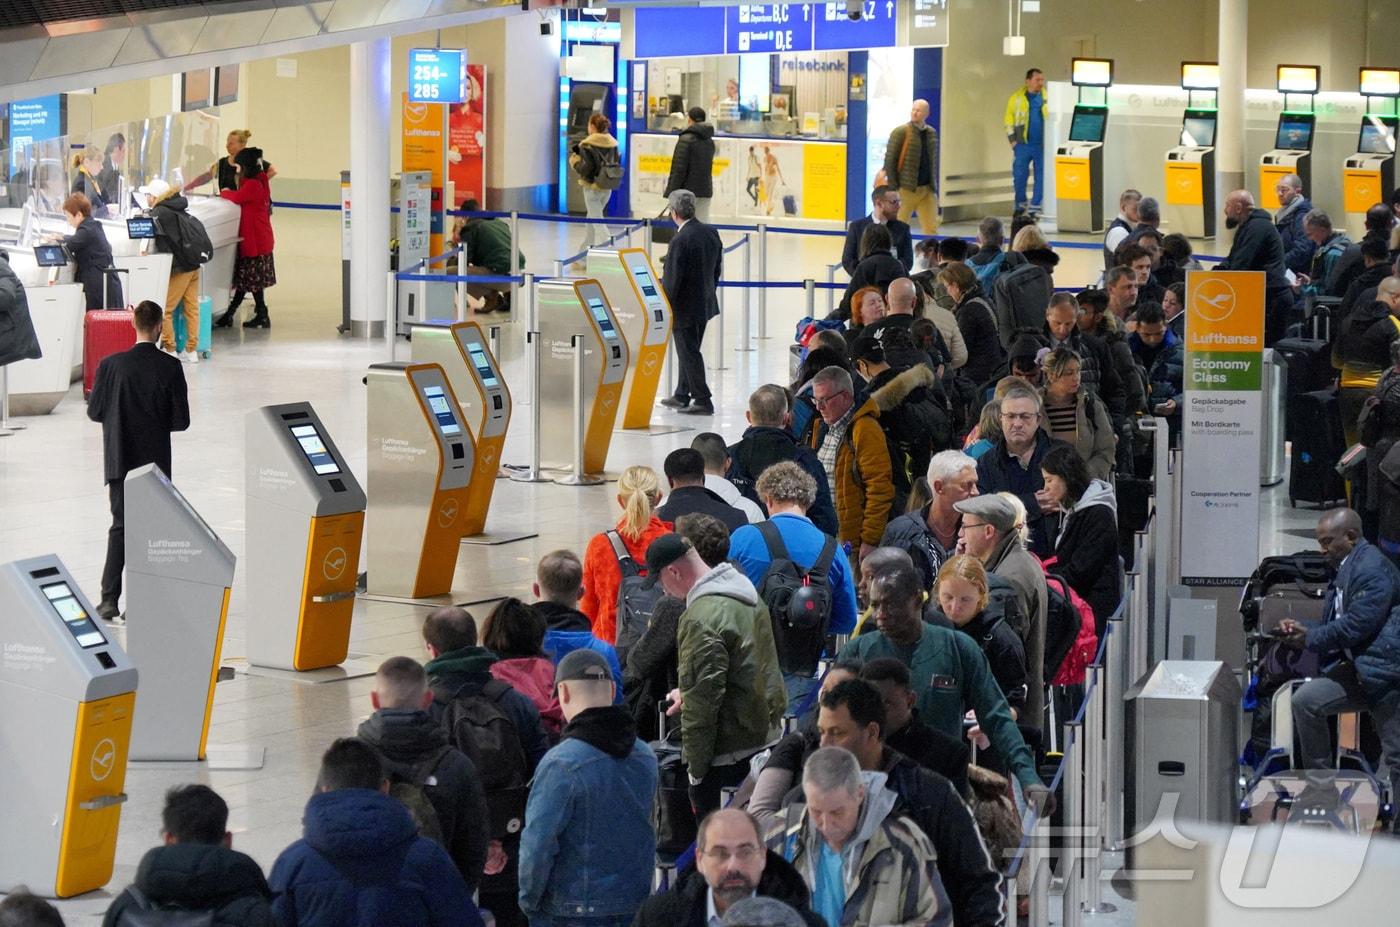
{"type": "Point", "coordinates": [1274, 392]}
{"type": "Point", "coordinates": [1183, 722]}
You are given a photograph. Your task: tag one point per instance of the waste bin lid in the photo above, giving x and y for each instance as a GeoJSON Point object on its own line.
{"type": "Point", "coordinates": [1188, 680]}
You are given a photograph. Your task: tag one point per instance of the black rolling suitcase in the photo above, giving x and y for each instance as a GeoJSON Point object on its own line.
{"type": "Point", "coordinates": [1317, 445]}
{"type": "Point", "coordinates": [1309, 369]}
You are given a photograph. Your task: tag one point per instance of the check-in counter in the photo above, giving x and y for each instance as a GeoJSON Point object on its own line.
{"type": "Point", "coordinates": [644, 315]}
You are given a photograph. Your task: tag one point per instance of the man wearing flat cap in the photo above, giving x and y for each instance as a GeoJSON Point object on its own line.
{"type": "Point", "coordinates": [993, 528]}
{"type": "Point", "coordinates": [588, 849]}
{"type": "Point", "coordinates": [731, 689]}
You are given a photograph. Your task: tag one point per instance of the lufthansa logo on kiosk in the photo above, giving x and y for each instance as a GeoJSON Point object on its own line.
{"type": "Point", "coordinates": [104, 759]}
{"type": "Point", "coordinates": [334, 563]}
{"type": "Point", "coordinates": [447, 512]}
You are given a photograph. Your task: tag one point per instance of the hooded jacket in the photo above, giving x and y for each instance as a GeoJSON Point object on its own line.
{"type": "Point", "coordinates": [1368, 627]}
{"type": "Point", "coordinates": [17, 338]}
{"type": "Point", "coordinates": [361, 863]}
{"type": "Point", "coordinates": [1114, 337]}
{"type": "Point", "coordinates": [466, 672]}
{"type": "Point", "coordinates": [1166, 367]}
{"type": "Point", "coordinates": [911, 415]}
{"type": "Point", "coordinates": [1020, 295]}
{"type": "Point", "coordinates": [685, 904]}
{"type": "Point", "coordinates": [594, 152]}
{"type": "Point", "coordinates": [254, 198]}
{"type": "Point", "coordinates": [1257, 246]}
{"type": "Point", "coordinates": [1093, 433]}
{"type": "Point", "coordinates": [728, 672]}
{"type": "Point", "coordinates": [1086, 550]}
{"type": "Point", "coordinates": [1010, 561]}
{"type": "Point", "coordinates": [1005, 654]}
{"type": "Point", "coordinates": [533, 677]}
{"type": "Point", "coordinates": [764, 445]}
{"type": "Point", "coordinates": [692, 162]}
{"type": "Point", "coordinates": [978, 325]}
{"type": "Point", "coordinates": [168, 228]}
{"type": "Point", "coordinates": [567, 629]}
{"type": "Point", "coordinates": [889, 865]}
{"type": "Point", "coordinates": [588, 850]}
{"type": "Point", "coordinates": [201, 877]}
{"type": "Point", "coordinates": [865, 490]}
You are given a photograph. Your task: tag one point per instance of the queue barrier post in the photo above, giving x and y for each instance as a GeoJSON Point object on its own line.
{"type": "Point", "coordinates": [576, 476]}
{"type": "Point", "coordinates": [1091, 899]}
{"type": "Point", "coordinates": [762, 278]}
{"type": "Point", "coordinates": [1038, 859]}
{"type": "Point", "coordinates": [718, 363]}
{"type": "Point", "coordinates": [1115, 682]}
{"type": "Point", "coordinates": [391, 312]}
{"type": "Point", "coordinates": [746, 342]}
{"type": "Point", "coordinates": [831, 287]}
{"type": "Point", "coordinates": [809, 290]}
{"type": "Point", "coordinates": [7, 427]}
{"type": "Point", "coordinates": [533, 353]}
{"type": "Point", "coordinates": [1072, 915]}
{"type": "Point", "coordinates": [493, 341]}
{"type": "Point", "coordinates": [646, 237]}
{"type": "Point", "coordinates": [514, 250]}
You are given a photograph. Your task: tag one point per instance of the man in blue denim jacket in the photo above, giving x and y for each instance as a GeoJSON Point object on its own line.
{"type": "Point", "coordinates": [588, 849]}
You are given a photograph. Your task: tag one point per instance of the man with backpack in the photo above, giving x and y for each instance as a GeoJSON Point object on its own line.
{"type": "Point", "coordinates": [183, 237]}
{"type": "Point", "coordinates": [767, 441]}
{"type": "Point", "coordinates": [436, 781]}
{"type": "Point", "coordinates": [802, 575]}
{"type": "Point", "coordinates": [195, 876]}
{"type": "Point", "coordinates": [498, 729]}
{"type": "Point", "coordinates": [989, 259]}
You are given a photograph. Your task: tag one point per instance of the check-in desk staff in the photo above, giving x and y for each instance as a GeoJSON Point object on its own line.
{"type": "Point", "coordinates": [92, 254]}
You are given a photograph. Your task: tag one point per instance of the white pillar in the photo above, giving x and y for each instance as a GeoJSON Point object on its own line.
{"type": "Point", "coordinates": [1232, 54]}
{"type": "Point", "coordinates": [369, 187]}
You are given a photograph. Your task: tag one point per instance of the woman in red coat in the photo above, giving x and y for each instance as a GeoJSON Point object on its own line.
{"type": "Point", "coordinates": [254, 270]}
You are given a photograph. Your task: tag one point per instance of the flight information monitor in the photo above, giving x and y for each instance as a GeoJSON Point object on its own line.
{"type": "Point", "coordinates": [50, 255]}
{"type": "Point", "coordinates": [315, 450]}
{"type": "Point", "coordinates": [1294, 133]}
{"type": "Point", "coordinates": [442, 411]}
{"type": "Point", "coordinates": [600, 314]}
{"type": "Point", "coordinates": [1198, 131]}
{"type": "Point", "coordinates": [1088, 125]}
{"type": "Point", "coordinates": [141, 227]}
{"type": "Point", "coordinates": [1376, 138]}
{"type": "Point", "coordinates": [483, 367]}
{"type": "Point", "coordinates": [75, 618]}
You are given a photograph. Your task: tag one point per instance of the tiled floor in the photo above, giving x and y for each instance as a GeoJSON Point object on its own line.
{"type": "Point", "coordinates": [52, 501]}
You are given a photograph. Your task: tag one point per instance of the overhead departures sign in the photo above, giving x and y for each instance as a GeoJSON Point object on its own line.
{"type": "Point", "coordinates": [437, 75]}
{"type": "Point", "coordinates": [767, 28]}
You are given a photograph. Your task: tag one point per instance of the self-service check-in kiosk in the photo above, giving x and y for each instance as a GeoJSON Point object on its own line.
{"type": "Point", "coordinates": [1190, 165]}
{"type": "Point", "coordinates": [1079, 161]}
{"type": "Point", "coordinates": [1369, 175]}
{"type": "Point", "coordinates": [1293, 140]}
{"type": "Point", "coordinates": [421, 460]}
{"type": "Point", "coordinates": [644, 315]}
{"type": "Point", "coordinates": [578, 307]}
{"type": "Point", "coordinates": [305, 516]}
{"type": "Point", "coordinates": [178, 578]}
{"type": "Point", "coordinates": [463, 353]}
{"type": "Point", "coordinates": [66, 697]}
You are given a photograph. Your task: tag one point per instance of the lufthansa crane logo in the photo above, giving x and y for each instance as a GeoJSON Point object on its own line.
{"type": "Point", "coordinates": [649, 363]}
{"type": "Point", "coordinates": [1213, 300]}
{"type": "Point", "coordinates": [104, 759]}
{"type": "Point", "coordinates": [333, 566]}
{"type": "Point", "coordinates": [447, 512]}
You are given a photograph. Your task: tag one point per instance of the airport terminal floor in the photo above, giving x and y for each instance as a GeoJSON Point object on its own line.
{"type": "Point", "coordinates": [53, 498]}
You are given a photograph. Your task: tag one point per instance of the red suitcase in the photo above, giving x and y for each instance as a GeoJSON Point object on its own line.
{"type": "Point", "coordinates": [105, 332]}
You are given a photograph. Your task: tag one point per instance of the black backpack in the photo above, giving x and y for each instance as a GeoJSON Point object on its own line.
{"type": "Point", "coordinates": [635, 602]}
{"type": "Point", "coordinates": [480, 728]}
{"type": "Point", "coordinates": [187, 242]}
{"type": "Point", "coordinates": [143, 912]}
{"type": "Point", "coordinates": [411, 791]}
{"type": "Point", "coordinates": [798, 600]}
{"type": "Point", "coordinates": [608, 176]}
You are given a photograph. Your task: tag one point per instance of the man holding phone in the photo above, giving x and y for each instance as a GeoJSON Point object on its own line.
{"type": "Point", "coordinates": [1160, 352]}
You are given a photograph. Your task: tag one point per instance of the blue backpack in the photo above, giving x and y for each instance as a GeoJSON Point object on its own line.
{"type": "Point", "coordinates": [988, 271]}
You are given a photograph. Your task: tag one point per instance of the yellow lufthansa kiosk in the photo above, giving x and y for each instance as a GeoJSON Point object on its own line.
{"type": "Point", "coordinates": [305, 516]}
{"type": "Point", "coordinates": [1079, 161]}
{"type": "Point", "coordinates": [1369, 175]}
{"type": "Point", "coordinates": [1190, 165]}
{"type": "Point", "coordinates": [1293, 140]}
{"type": "Point", "coordinates": [644, 315]}
{"type": "Point", "coordinates": [463, 353]}
{"type": "Point", "coordinates": [421, 460]}
{"type": "Point", "coordinates": [66, 697]}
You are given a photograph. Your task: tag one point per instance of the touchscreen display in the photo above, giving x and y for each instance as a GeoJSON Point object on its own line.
{"type": "Point", "coordinates": [1088, 125]}
{"type": "Point", "coordinates": [648, 288]}
{"type": "Point", "coordinates": [600, 313]}
{"type": "Point", "coordinates": [1376, 138]}
{"type": "Point", "coordinates": [141, 227]}
{"type": "Point", "coordinates": [50, 255]}
{"type": "Point", "coordinates": [442, 411]}
{"type": "Point", "coordinates": [1198, 131]}
{"type": "Point", "coordinates": [1295, 134]}
{"type": "Point", "coordinates": [483, 368]}
{"type": "Point", "coordinates": [315, 450]}
{"type": "Point", "coordinates": [73, 615]}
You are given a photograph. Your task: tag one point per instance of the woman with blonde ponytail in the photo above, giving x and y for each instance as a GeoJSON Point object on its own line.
{"type": "Point", "coordinates": [639, 493]}
{"type": "Point", "coordinates": [87, 166]}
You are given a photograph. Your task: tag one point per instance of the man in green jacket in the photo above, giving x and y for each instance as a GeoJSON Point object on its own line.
{"type": "Point", "coordinates": [911, 165]}
{"type": "Point", "coordinates": [947, 670]}
{"type": "Point", "coordinates": [486, 250]}
{"type": "Point", "coordinates": [730, 688]}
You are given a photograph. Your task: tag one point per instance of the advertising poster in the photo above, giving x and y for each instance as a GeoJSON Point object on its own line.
{"type": "Point", "coordinates": [1222, 424]}
{"type": "Point", "coordinates": [651, 167]}
{"type": "Point", "coordinates": [466, 141]}
{"type": "Point", "coordinates": [424, 128]}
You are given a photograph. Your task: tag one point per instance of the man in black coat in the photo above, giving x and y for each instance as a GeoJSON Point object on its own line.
{"type": "Point", "coordinates": [694, 264]}
{"type": "Point", "coordinates": [767, 441]}
{"type": "Point", "coordinates": [139, 396]}
{"type": "Point", "coordinates": [885, 208]}
{"type": "Point", "coordinates": [17, 339]}
{"type": "Point", "coordinates": [1258, 246]}
{"type": "Point", "coordinates": [692, 164]}
{"type": "Point", "coordinates": [731, 864]}
{"type": "Point", "coordinates": [685, 471]}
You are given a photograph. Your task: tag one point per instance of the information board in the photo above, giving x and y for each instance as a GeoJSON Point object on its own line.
{"type": "Point", "coordinates": [415, 217]}
{"type": "Point", "coordinates": [768, 28]}
{"type": "Point", "coordinates": [437, 75]}
{"type": "Point", "coordinates": [928, 23]}
{"type": "Point", "coordinates": [835, 30]}
{"type": "Point", "coordinates": [36, 120]}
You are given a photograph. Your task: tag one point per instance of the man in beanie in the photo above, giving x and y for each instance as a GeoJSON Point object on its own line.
{"type": "Point", "coordinates": [588, 850]}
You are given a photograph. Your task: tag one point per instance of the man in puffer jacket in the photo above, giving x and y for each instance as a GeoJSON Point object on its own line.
{"type": "Point", "coordinates": [17, 339]}
{"type": "Point", "coordinates": [692, 163]}
{"type": "Point", "coordinates": [361, 862]}
{"type": "Point", "coordinates": [730, 686]}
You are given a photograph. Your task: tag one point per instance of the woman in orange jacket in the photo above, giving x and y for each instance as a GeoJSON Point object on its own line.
{"type": "Point", "coordinates": [639, 493]}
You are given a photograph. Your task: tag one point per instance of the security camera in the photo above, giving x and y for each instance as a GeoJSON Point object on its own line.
{"type": "Point", "coordinates": [855, 9]}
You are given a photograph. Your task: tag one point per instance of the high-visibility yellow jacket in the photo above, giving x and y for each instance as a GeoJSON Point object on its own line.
{"type": "Point", "coordinates": [1018, 113]}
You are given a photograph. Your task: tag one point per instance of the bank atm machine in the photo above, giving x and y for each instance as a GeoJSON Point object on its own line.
{"type": "Point", "coordinates": [464, 354]}
{"type": "Point", "coordinates": [585, 100]}
{"type": "Point", "coordinates": [1369, 175]}
{"type": "Point", "coordinates": [1293, 140]}
{"type": "Point", "coordinates": [178, 578]}
{"type": "Point", "coordinates": [644, 315]}
{"type": "Point", "coordinates": [421, 460]}
{"type": "Point", "coordinates": [566, 308]}
{"type": "Point", "coordinates": [305, 514]}
{"type": "Point", "coordinates": [1190, 165]}
{"type": "Point", "coordinates": [66, 698]}
{"type": "Point", "coordinates": [1079, 161]}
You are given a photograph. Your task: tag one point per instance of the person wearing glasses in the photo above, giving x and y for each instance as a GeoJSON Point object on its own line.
{"type": "Point", "coordinates": [1013, 464]}
{"type": "Point", "coordinates": [851, 447]}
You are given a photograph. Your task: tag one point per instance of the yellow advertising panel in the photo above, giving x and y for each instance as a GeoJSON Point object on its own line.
{"type": "Point", "coordinates": [1184, 184]}
{"type": "Point", "coordinates": [1360, 190]}
{"type": "Point", "coordinates": [1269, 177]}
{"type": "Point", "coordinates": [824, 182]}
{"type": "Point", "coordinates": [1072, 178]}
{"type": "Point", "coordinates": [424, 149]}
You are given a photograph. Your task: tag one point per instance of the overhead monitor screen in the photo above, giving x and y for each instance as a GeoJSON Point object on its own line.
{"type": "Point", "coordinates": [1380, 82]}
{"type": "Point", "coordinates": [644, 281]}
{"type": "Point", "coordinates": [50, 255]}
{"type": "Point", "coordinates": [1091, 72]}
{"type": "Point", "coordinates": [75, 618]}
{"type": "Point", "coordinates": [442, 411]}
{"type": "Point", "coordinates": [1198, 131]}
{"type": "Point", "coordinates": [1088, 125]}
{"type": "Point", "coordinates": [141, 227]}
{"type": "Point", "coordinates": [1294, 133]}
{"type": "Point", "coordinates": [1200, 75]}
{"type": "Point", "coordinates": [315, 450]}
{"type": "Point", "coordinates": [1376, 138]}
{"type": "Point", "coordinates": [483, 368]}
{"type": "Point", "coordinates": [1298, 78]}
{"type": "Point", "coordinates": [600, 314]}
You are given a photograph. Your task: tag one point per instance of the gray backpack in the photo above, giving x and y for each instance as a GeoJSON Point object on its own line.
{"type": "Point", "coordinates": [635, 602]}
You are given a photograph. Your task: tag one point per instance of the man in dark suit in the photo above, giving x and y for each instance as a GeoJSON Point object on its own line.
{"type": "Point", "coordinates": [885, 208]}
{"type": "Point", "coordinates": [694, 264]}
{"type": "Point", "coordinates": [139, 396]}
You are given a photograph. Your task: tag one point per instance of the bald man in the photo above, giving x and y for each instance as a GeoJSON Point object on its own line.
{"type": "Point", "coordinates": [1293, 206]}
{"type": "Point", "coordinates": [1258, 246]}
{"type": "Point", "coordinates": [911, 166]}
{"type": "Point", "coordinates": [901, 298]}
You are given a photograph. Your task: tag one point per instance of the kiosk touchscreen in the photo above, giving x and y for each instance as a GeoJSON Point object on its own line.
{"type": "Point", "coordinates": [1190, 177]}
{"type": "Point", "coordinates": [1291, 154]}
{"type": "Point", "coordinates": [66, 699]}
{"type": "Point", "coordinates": [178, 577]}
{"type": "Point", "coordinates": [421, 461]}
{"type": "Point", "coordinates": [644, 315]}
{"type": "Point", "coordinates": [568, 308]}
{"type": "Point", "coordinates": [1369, 175]}
{"type": "Point", "coordinates": [1079, 171]}
{"type": "Point", "coordinates": [305, 515]}
{"type": "Point", "coordinates": [464, 355]}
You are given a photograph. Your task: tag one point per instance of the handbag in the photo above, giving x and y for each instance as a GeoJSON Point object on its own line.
{"type": "Point", "coordinates": [663, 230]}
